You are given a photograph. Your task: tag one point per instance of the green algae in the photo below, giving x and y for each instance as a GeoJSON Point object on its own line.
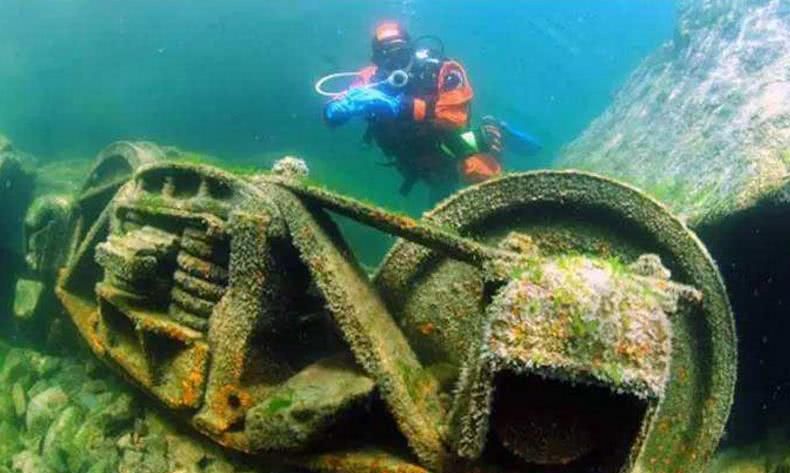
{"type": "Point", "coordinates": [10, 443]}
{"type": "Point", "coordinates": [7, 409]}
{"type": "Point", "coordinates": [585, 338]}
{"type": "Point", "coordinates": [279, 403]}
{"type": "Point", "coordinates": [194, 157]}
{"type": "Point", "coordinates": [784, 155]}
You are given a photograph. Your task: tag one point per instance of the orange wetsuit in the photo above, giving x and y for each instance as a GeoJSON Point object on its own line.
{"type": "Point", "coordinates": [426, 142]}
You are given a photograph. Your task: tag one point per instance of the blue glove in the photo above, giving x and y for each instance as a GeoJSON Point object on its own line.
{"type": "Point", "coordinates": [362, 102]}
{"type": "Point", "coordinates": [374, 102]}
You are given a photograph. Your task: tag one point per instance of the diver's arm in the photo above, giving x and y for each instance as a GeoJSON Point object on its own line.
{"type": "Point", "coordinates": [365, 102]}
{"type": "Point", "coordinates": [341, 108]}
{"type": "Point", "coordinates": [336, 113]}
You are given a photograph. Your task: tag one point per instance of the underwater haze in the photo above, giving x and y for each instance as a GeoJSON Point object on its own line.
{"type": "Point", "coordinates": [235, 79]}
{"type": "Point", "coordinates": [620, 310]}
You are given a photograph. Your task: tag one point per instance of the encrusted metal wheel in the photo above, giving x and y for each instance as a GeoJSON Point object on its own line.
{"type": "Point", "coordinates": [113, 166]}
{"type": "Point", "coordinates": [439, 302]}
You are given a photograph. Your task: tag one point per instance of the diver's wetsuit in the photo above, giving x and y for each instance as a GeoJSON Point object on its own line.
{"type": "Point", "coordinates": [431, 138]}
{"type": "Point", "coordinates": [415, 150]}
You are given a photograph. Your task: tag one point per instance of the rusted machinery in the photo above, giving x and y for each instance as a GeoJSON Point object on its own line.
{"type": "Point", "coordinates": [550, 321]}
{"type": "Point", "coordinates": [54, 224]}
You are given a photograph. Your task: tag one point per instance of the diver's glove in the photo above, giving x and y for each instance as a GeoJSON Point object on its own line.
{"type": "Point", "coordinates": [362, 102]}
{"type": "Point", "coordinates": [500, 134]}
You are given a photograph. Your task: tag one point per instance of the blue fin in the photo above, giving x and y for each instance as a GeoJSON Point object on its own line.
{"type": "Point", "coordinates": [519, 142]}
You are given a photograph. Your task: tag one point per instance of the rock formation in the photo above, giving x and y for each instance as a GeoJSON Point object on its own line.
{"type": "Point", "coordinates": [703, 123]}
{"type": "Point", "coordinates": [67, 413]}
{"type": "Point", "coordinates": [16, 190]}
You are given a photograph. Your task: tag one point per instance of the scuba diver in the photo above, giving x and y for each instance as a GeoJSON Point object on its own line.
{"type": "Point", "coordinates": [417, 105]}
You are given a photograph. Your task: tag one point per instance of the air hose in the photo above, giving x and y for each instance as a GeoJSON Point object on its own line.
{"type": "Point", "coordinates": [397, 79]}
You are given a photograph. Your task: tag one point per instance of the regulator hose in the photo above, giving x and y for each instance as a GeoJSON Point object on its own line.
{"type": "Point", "coordinates": [397, 79]}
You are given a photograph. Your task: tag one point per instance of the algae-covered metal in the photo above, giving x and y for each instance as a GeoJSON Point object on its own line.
{"type": "Point", "coordinates": [438, 303]}
{"type": "Point", "coordinates": [547, 320]}
{"type": "Point", "coordinates": [55, 226]}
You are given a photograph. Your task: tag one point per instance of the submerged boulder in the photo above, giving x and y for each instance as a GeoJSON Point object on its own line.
{"type": "Point", "coordinates": [5, 144]}
{"type": "Point", "coordinates": [16, 189]}
{"type": "Point", "coordinates": [20, 401]}
{"type": "Point", "coordinates": [704, 122]}
{"type": "Point", "coordinates": [59, 434]}
{"type": "Point", "coordinates": [44, 408]}
{"type": "Point", "coordinates": [29, 462]}
{"type": "Point", "coordinates": [63, 414]}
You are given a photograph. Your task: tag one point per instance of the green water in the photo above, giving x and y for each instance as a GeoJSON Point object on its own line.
{"type": "Point", "coordinates": [235, 79]}
{"type": "Point", "coordinates": [231, 84]}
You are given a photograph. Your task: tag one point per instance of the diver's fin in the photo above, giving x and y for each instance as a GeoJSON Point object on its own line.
{"type": "Point", "coordinates": [520, 142]}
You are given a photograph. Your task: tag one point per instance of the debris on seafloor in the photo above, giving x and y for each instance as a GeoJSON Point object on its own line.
{"type": "Point", "coordinates": [234, 302]}
{"type": "Point", "coordinates": [66, 413]}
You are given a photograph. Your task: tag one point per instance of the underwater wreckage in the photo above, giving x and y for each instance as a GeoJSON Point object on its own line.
{"type": "Point", "coordinates": [548, 321]}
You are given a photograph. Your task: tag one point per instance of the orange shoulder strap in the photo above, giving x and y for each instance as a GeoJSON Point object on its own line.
{"type": "Point", "coordinates": [452, 106]}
